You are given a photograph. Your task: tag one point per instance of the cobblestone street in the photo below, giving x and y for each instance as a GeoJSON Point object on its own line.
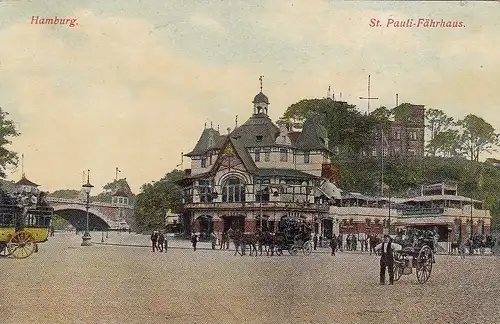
{"type": "Point", "coordinates": [66, 283]}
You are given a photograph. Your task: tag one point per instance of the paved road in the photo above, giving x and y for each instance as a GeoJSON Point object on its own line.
{"type": "Point", "coordinates": [66, 283]}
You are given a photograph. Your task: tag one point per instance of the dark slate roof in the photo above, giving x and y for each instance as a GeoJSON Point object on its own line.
{"type": "Point", "coordinates": [293, 137]}
{"type": "Point", "coordinates": [202, 146]}
{"type": "Point", "coordinates": [260, 97]}
{"type": "Point", "coordinates": [120, 193]}
{"type": "Point", "coordinates": [313, 136]}
{"type": "Point", "coordinates": [285, 173]}
{"type": "Point", "coordinates": [26, 182]}
{"type": "Point", "coordinates": [245, 157]}
{"type": "Point", "coordinates": [257, 125]}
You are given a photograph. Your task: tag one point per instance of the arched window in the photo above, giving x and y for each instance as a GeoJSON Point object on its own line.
{"type": "Point", "coordinates": [233, 190]}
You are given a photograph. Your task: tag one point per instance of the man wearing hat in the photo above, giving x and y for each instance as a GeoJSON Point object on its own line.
{"type": "Point", "coordinates": [387, 258]}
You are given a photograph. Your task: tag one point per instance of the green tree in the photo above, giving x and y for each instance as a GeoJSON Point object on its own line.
{"type": "Point", "coordinates": [65, 193]}
{"type": "Point", "coordinates": [446, 144]}
{"type": "Point", "coordinates": [8, 130]}
{"type": "Point", "coordinates": [111, 187]}
{"type": "Point", "coordinates": [437, 123]}
{"type": "Point", "coordinates": [478, 136]}
{"type": "Point", "coordinates": [348, 130]}
{"type": "Point", "coordinates": [156, 198]}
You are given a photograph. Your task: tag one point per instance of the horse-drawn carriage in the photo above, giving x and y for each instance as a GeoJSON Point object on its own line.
{"type": "Point", "coordinates": [24, 222]}
{"type": "Point", "coordinates": [293, 235]}
{"type": "Point", "coordinates": [418, 254]}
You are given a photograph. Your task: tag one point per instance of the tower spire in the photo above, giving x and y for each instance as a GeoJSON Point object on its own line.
{"type": "Point", "coordinates": [260, 79]}
{"type": "Point", "coordinates": [22, 164]}
{"type": "Point", "coordinates": [397, 99]}
{"type": "Point", "coordinates": [328, 93]}
{"type": "Point", "coordinates": [236, 121]}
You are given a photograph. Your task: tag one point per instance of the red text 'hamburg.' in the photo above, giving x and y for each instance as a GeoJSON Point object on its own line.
{"type": "Point", "coordinates": [36, 20]}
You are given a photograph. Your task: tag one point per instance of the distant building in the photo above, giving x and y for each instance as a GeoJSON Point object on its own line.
{"type": "Point", "coordinates": [405, 137]}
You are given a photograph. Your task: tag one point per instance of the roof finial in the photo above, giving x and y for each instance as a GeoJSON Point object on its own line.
{"type": "Point", "coordinates": [205, 125]}
{"type": "Point", "coordinates": [260, 79]}
{"type": "Point", "coordinates": [211, 125]}
{"type": "Point", "coordinates": [333, 96]}
{"type": "Point", "coordinates": [218, 129]}
{"type": "Point", "coordinates": [328, 93]}
{"type": "Point", "coordinates": [236, 120]}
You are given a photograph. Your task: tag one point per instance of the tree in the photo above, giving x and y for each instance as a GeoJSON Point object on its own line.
{"type": "Point", "coordinates": [8, 130]}
{"type": "Point", "coordinates": [110, 187]}
{"type": "Point", "coordinates": [348, 130]}
{"type": "Point", "coordinates": [477, 136]}
{"type": "Point", "coordinates": [156, 198]}
{"type": "Point", "coordinates": [446, 144]}
{"type": "Point", "coordinates": [65, 193]}
{"type": "Point", "coordinates": [437, 123]}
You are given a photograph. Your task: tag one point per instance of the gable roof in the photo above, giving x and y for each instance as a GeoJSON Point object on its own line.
{"type": "Point", "coordinates": [25, 182]}
{"type": "Point", "coordinates": [210, 139]}
{"type": "Point", "coordinates": [257, 125]}
{"type": "Point", "coordinates": [314, 136]}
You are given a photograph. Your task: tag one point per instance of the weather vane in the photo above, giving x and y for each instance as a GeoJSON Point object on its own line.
{"type": "Point", "coordinates": [260, 79]}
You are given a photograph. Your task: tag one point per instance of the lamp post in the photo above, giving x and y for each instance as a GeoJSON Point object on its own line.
{"type": "Point", "coordinates": [87, 188]}
{"type": "Point", "coordinates": [389, 220]}
{"type": "Point", "coordinates": [471, 224]}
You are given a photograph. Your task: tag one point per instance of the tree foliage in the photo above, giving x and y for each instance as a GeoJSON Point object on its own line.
{"type": "Point", "coordinates": [156, 198]}
{"type": "Point", "coordinates": [478, 136]}
{"type": "Point", "coordinates": [111, 187]}
{"type": "Point", "coordinates": [438, 123]}
{"type": "Point", "coordinates": [65, 193]}
{"type": "Point", "coordinates": [8, 158]}
{"type": "Point", "coordinates": [348, 130]}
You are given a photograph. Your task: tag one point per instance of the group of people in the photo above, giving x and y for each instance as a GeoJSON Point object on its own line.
{"type": "Point", "coordinates": [159, 241]}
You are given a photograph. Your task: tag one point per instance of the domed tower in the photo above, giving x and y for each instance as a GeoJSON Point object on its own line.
{"type": "Point", "coordinates": [260, 101]}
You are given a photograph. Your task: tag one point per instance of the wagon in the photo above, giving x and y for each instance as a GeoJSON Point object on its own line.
{"type": "Point", "coordinates": [294, 235]}
{"type": "Point", "coordinates": [23, 224]}
{"type": "Point", "coordinates": [419, 257]}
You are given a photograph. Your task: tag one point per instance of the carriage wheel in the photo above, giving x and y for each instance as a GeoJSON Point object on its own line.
{"type": "Point", "coordinates": [397, 268]}
{"type": "Point", "coordinates": [424, 264]}
{"type": "Point", "coordinates": [307, 248]}
{"type": "Point", "coordinates": [21, 245]}
{"type": "Point", "coordinates": [4, 252]}
{"type": "Point", "coordinates": [292, 249]}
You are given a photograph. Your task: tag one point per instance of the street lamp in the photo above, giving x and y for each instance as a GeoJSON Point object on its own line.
{"type": "Point", "coordinates": [87, 188]}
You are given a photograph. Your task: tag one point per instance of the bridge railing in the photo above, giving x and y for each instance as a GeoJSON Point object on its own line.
{"type": "Point", "coordinates": [81, 202]}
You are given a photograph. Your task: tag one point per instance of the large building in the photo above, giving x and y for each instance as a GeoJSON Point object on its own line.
{"type": "Point", "coordinates": [256, 174]}
{"type": "Point", "coordinates": [405, 135]}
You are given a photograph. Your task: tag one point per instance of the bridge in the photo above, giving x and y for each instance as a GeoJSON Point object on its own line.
{"type": "Point", "coordinates": [102, 216]}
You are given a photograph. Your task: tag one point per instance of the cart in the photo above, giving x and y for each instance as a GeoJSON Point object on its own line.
{"type": "Point", "coordinates": [24, 222]}
{"type": "Point", "coordinates": [419, 258]}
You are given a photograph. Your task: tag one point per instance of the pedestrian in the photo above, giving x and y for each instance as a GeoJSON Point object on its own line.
{"type": "Point", "coordinates": [165, 244]}
{"type": "Point", "coordinates": [366, 244]}
{"type": "Point", "coordinates": [161, 240]}
{"type": "Point", "coordinates": [154, 239]}
{"type": "Point", "coordinates": [315, 241]}
{"type": "Point", "coordinates": [333, 244]}
{"type": "Point", "coordinates": [194, 240]}
{"type": "Point", "coordinates": [387, 258]}
{"type": "Point", "coordinates": [213, 239]}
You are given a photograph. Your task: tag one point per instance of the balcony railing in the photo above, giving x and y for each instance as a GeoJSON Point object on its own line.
{"type": "Point", "coordinates": [422, 211]}
{"type": "Point", "coordinates": [257, 205]}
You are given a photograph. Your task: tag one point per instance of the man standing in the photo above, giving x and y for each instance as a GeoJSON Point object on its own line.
{"type": "Point", "coordinates": [387, 258]}
{"type": "Point", "coordinates": [213, 239]}
{"type": "Point", "coordinates": [315, 241]}
{"type": "Point", "coordinates": [154, 239]}
{"type": "Point", "coordinates": [333, 244]}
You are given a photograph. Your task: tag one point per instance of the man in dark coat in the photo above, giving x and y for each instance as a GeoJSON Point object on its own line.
{"type": "Point", "coordinates": [161, 240]}
{"type": "Point", "coordinates": [154, 239]}
{"type": "Point", "coordinates": [315, 241]}
{"type": "Point", "coordinates": [387, 258]}
{"type": "Point", "coordinates": [194, 240]}
{"type": "Point", "coordinates": [333, 244]}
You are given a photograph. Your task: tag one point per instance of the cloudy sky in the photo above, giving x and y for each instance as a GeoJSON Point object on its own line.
{"type": "Point", "coordinates": [133, 84]}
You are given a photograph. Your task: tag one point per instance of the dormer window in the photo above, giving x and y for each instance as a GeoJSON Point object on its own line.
{"type": "Point", "coordinates": [259, 138]}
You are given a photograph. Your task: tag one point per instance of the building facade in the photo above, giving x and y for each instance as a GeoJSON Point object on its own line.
{"type": "Point", "coordinates": [405, 136]}
{"type": "Point", "coordinates": [257, 174]}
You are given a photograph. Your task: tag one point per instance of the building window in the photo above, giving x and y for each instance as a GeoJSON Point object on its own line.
{"type": "Point", "coordinates": [233, 190]}
{"type": "Point", "coordinates": [413, 135]}
{"type": "Point", "coordinates": [204, 162]}
{"type": "Point", "coordinates": [257, 155]}
{"type": "Point", "coordinates": [412, 152]}
{"type": "Point", "coordinates": [397, 135]}
{"type": "Point", "coordinates": [306, 157]}
{"type": "Point", "coordinates": [284, 139]}
{"type": "Point", "coordinates": [259, 138]}
{"type": "Point", "coordinates": [283, 155]}
{"type": "Point", "coordinates": [374, 152]}
{"type": "Point", "coordinates": [205, 191]}
{"type": "Point", "coordinates": [267, 155]}
{"type": "Point", "coordinates": [385, 151]}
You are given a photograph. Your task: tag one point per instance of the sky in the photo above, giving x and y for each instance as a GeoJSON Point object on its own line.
{"type": "Point", "coordinates": [132, 85]}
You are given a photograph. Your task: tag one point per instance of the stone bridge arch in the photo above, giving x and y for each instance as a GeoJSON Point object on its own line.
{"type": "Point", "coordinates": [76, 215]}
